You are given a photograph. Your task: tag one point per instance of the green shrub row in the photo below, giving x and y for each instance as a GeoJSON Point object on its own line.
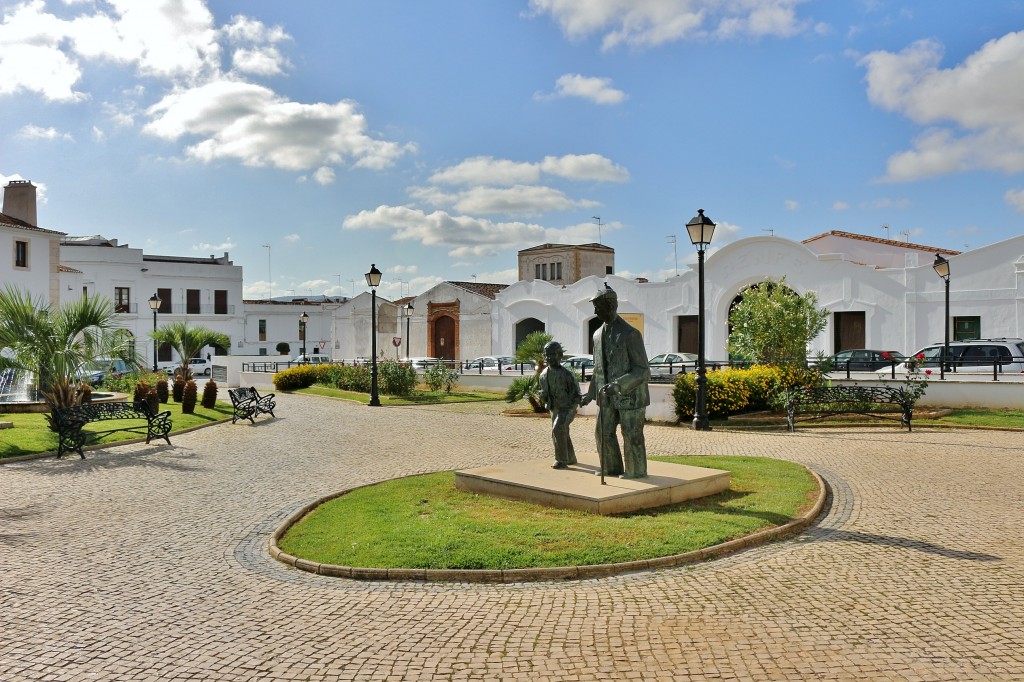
{"type": "Point", "coordinates": [393, 378]}
{"type": "Point", "coordinates": [734, 391]}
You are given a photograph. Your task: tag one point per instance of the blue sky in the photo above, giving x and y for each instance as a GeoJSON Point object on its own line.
{"type": "Point", "coordinates": [436, 139]}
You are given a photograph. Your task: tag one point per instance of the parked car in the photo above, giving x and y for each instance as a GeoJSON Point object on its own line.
{"type": "Point", "coordinates": [491, 363]}
{"type": "Point", "coordinates": [672, 363]}
{"type": "Point", "coordinates": [312, 359]}
{"type": "Point", "coordinates": [96, 372]}
{"type": "Point", "coordinates": [865, 360]}
{"type": "Point", "coordinates": [421, 363]}
{"type": "Point", "coordinates": [977, 356]}
{"type": "Point", "coordinates": [579, 363]}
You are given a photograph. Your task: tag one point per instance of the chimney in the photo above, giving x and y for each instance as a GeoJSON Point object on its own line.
{"type": "Point", "coordinates": [20, 200]}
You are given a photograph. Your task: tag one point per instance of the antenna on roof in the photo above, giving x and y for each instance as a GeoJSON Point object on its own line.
{"type": "Point", "coordinates": [598, 219]}
{"type": "Point", "coordinates": [906, 235]}
{"type": "Point", "coordinates": [672, 240]}
{"type": "Point", "coordinates": [886, 228]}
{"type": "Point", "coordinates": [769, 230]}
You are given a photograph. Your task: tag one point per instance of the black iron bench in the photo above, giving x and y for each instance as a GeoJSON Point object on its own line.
{"type": "Point", "coordinates": [248, 404]}
{"type": "Point", "coordinates": [71, 423]}
{"type": "Point", "coordinates": [827, 401]}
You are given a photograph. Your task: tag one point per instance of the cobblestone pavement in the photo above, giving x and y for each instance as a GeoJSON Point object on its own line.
{"type": "Point", "coordinates": [150, 563]}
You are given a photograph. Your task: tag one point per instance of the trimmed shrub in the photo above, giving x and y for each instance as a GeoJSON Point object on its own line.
{"type": "Point", "coordinates": [161, 390]}
{"type": "Point", "coordinates": [734, 391]}
{"type": "Point", "coordinates": [395, 378]}
{"type": "Point", "coordinates": [188, 397]}
{"type": "Point", "coordinates": [153, 401]}
{"type": "Point", "coordinates": [343, 377]}
{"type": "Point", "coordinates": [294, 378]}
{"type": "Point", "coordinates": [440, 378]}
{"type": "Point", "coordinates": [141, 391]}
{"type": "Point", "coordinates": [209, 400]}
{"type": "Point", "coordinates": [178, 388]}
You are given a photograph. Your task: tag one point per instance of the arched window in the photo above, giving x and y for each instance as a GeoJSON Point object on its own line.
{"type": "Point", "coordinates": [526, 327]}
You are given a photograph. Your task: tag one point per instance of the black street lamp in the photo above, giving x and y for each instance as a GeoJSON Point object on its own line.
{"type": "Point", "coordinates": [303, 319]}
{"type": "Point", "coordinates": [701, 230]}
{"type": "Point", "coordinates": [154, 305]}
{"type": "Point", "coordinates": [407, 311]}
{"type": "Point", "coordinates": [373, 280]}
{"type": "Point", "coordinates": [941, 267]}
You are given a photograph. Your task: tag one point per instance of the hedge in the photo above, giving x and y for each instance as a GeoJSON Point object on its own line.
{"type": "Point", "coordinates": [734, 391]}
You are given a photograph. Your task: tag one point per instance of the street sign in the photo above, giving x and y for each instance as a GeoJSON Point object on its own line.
{"type": "Point", "coordinates": [322, 344]}
{"type": "Point", "coordinates": [396, 341]}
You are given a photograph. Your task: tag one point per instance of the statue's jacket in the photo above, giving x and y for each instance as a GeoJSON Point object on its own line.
{"type": "Point", "coordinates": [620, 358]}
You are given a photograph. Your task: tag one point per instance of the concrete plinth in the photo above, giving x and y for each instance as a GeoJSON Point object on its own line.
{"type": "Point", "coordinates": [579, 486]}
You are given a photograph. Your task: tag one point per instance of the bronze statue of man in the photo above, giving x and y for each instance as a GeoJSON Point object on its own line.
{"type": "Point", "coordinates": [619, 384]}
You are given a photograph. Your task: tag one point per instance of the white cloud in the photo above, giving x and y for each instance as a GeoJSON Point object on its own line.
{"type": "Point", "coordinates": [840, 206]}
{"type": "Point", "coordinates": [264, 61]}
{"type": "Point", "coordinates": [292, 237]}
{"type": "Point", "coordinates": [486, 170]}
{"type": "Point", "coordinates": [597, 90]}
{"type": "Point", "coordinates": [34, 132]}
{"type": "Point", "coordinates": [792, 205]}
{"type": "Point", "coordinates": [206, 247]}
{"type": "Point", "coordinates": [654, 22]}
{"type": "Point", "coordinates": [972, 110]}
{"type": "Point", "coordinates": [250, 123]}
{"type": "Point", "coordinates": [886, 202]}
{"type": "Point", "coordinates": [314, 284]}
{"type": "Point", "coordinates": [1015, 198]}
{"type": "Point", "coordinates": [403, 269]}
{"type": "Point", "coordinates": [324, 175]}
{"type": "Point", "coordinates": [466, 235]}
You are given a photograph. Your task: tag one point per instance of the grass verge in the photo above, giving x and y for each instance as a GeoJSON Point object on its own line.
{"type": "Point", "coordinates": [31, 433]}
{"type": "Point", "coordinates": [418, 397]}
{"type": "Point", "coordinates": [1005, 419]}
{"type": "Point", "coordinates": [425, 522]}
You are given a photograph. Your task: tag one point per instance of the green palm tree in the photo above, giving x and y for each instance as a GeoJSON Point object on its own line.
{"type": "Point", "coordinates": [54, 343]}
{"type": "Point", "coordinates": [532, 350]}
{"type": "Point", "coordinates": [189, 341]}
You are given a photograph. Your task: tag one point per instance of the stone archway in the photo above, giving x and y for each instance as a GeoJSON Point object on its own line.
{"type": "Point", "coordinates": [525, 327]}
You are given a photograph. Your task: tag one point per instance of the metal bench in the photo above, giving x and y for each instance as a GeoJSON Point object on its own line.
{"type": "Point", "coordinates": [71, 422]}
{"type": "Point", "coordinates": [248, 403]}
{"type": "Point", "coordinates": [828, 401]}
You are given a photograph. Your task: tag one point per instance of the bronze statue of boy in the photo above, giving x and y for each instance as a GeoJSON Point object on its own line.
{"type": "Point", "coordinates": [560, 393]}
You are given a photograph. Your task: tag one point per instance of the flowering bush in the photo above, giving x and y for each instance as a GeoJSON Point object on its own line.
{"type": "Point", "coordinates": [292, 378]}
{"type": "Point", "coordinates": [733, 391]}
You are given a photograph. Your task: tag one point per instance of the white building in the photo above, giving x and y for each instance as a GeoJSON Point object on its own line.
{"type": "Point", "coordinates": [28, 254]}
{"type": "Point", "coordinates": [880, 295]}
{"type": "Point", "coordinates": [206, 292]}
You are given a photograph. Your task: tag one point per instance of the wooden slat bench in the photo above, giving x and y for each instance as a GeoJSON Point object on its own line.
{"type": "Point", "coordinates": [71, 422]}
{"type": "Point", "coordinates": [248, 404]}
{"type": "Point", "coordinates": [827, 401]}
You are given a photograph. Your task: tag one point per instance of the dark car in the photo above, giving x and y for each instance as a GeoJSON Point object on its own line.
{"type": "Point", "coordinates": [865, 360]}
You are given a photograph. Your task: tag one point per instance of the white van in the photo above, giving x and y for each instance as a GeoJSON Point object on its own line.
{"type": "Point", "coordinates": [312, 359]}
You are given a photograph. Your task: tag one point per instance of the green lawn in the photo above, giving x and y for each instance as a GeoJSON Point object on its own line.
{"type": "Point", "coordinates": [424, 522]}
{"type": "Point", "coordinates": [416, 398]}
{"type": "Point", "coordinates": [31, 433]}
{"type": "Point", "coordinates": [1007, 419]}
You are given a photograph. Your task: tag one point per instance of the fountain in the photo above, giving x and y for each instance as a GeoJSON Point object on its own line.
{"type": "Point", "coordinates": [18, 392]}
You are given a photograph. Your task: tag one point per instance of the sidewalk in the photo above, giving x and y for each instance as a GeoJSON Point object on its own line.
{"type": "Point", "coordinates": [150, 563]}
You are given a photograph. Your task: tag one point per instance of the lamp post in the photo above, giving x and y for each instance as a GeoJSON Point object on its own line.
{"type": "Point", "coordinates": [373, 280]}
{"type": "Point", "coordinates": [701, 230]}
{"type": "Point", "coordinates": [941, 267]}
{"type": "Point", "coordinates": [407, 310]}
{"type": "Point", "coordinates": [154, 305]}
{"type": "Point", "coordinates": [303, 319]}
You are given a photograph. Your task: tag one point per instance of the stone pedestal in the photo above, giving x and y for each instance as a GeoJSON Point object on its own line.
{"type": "Point", "coordinates": [579, 486]}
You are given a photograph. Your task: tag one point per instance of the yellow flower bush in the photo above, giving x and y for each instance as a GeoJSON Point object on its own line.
{"type": "Point", "coordinates": [733, 391]}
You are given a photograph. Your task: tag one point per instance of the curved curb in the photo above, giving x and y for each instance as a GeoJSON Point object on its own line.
{"type": "Point", "coordinates": [516, 575]}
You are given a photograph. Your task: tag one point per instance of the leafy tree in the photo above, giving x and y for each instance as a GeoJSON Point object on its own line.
{"type": "Point", "coordinates": [772, 325]}
{"type": "Point", "coordinates": [188, 342]}
{"type": "Point", "coordinates": [532, 350]}
{"type": "Point", "coordinates": [54, 343]}
{"type": "Point", "coordinates": [283, 348]}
